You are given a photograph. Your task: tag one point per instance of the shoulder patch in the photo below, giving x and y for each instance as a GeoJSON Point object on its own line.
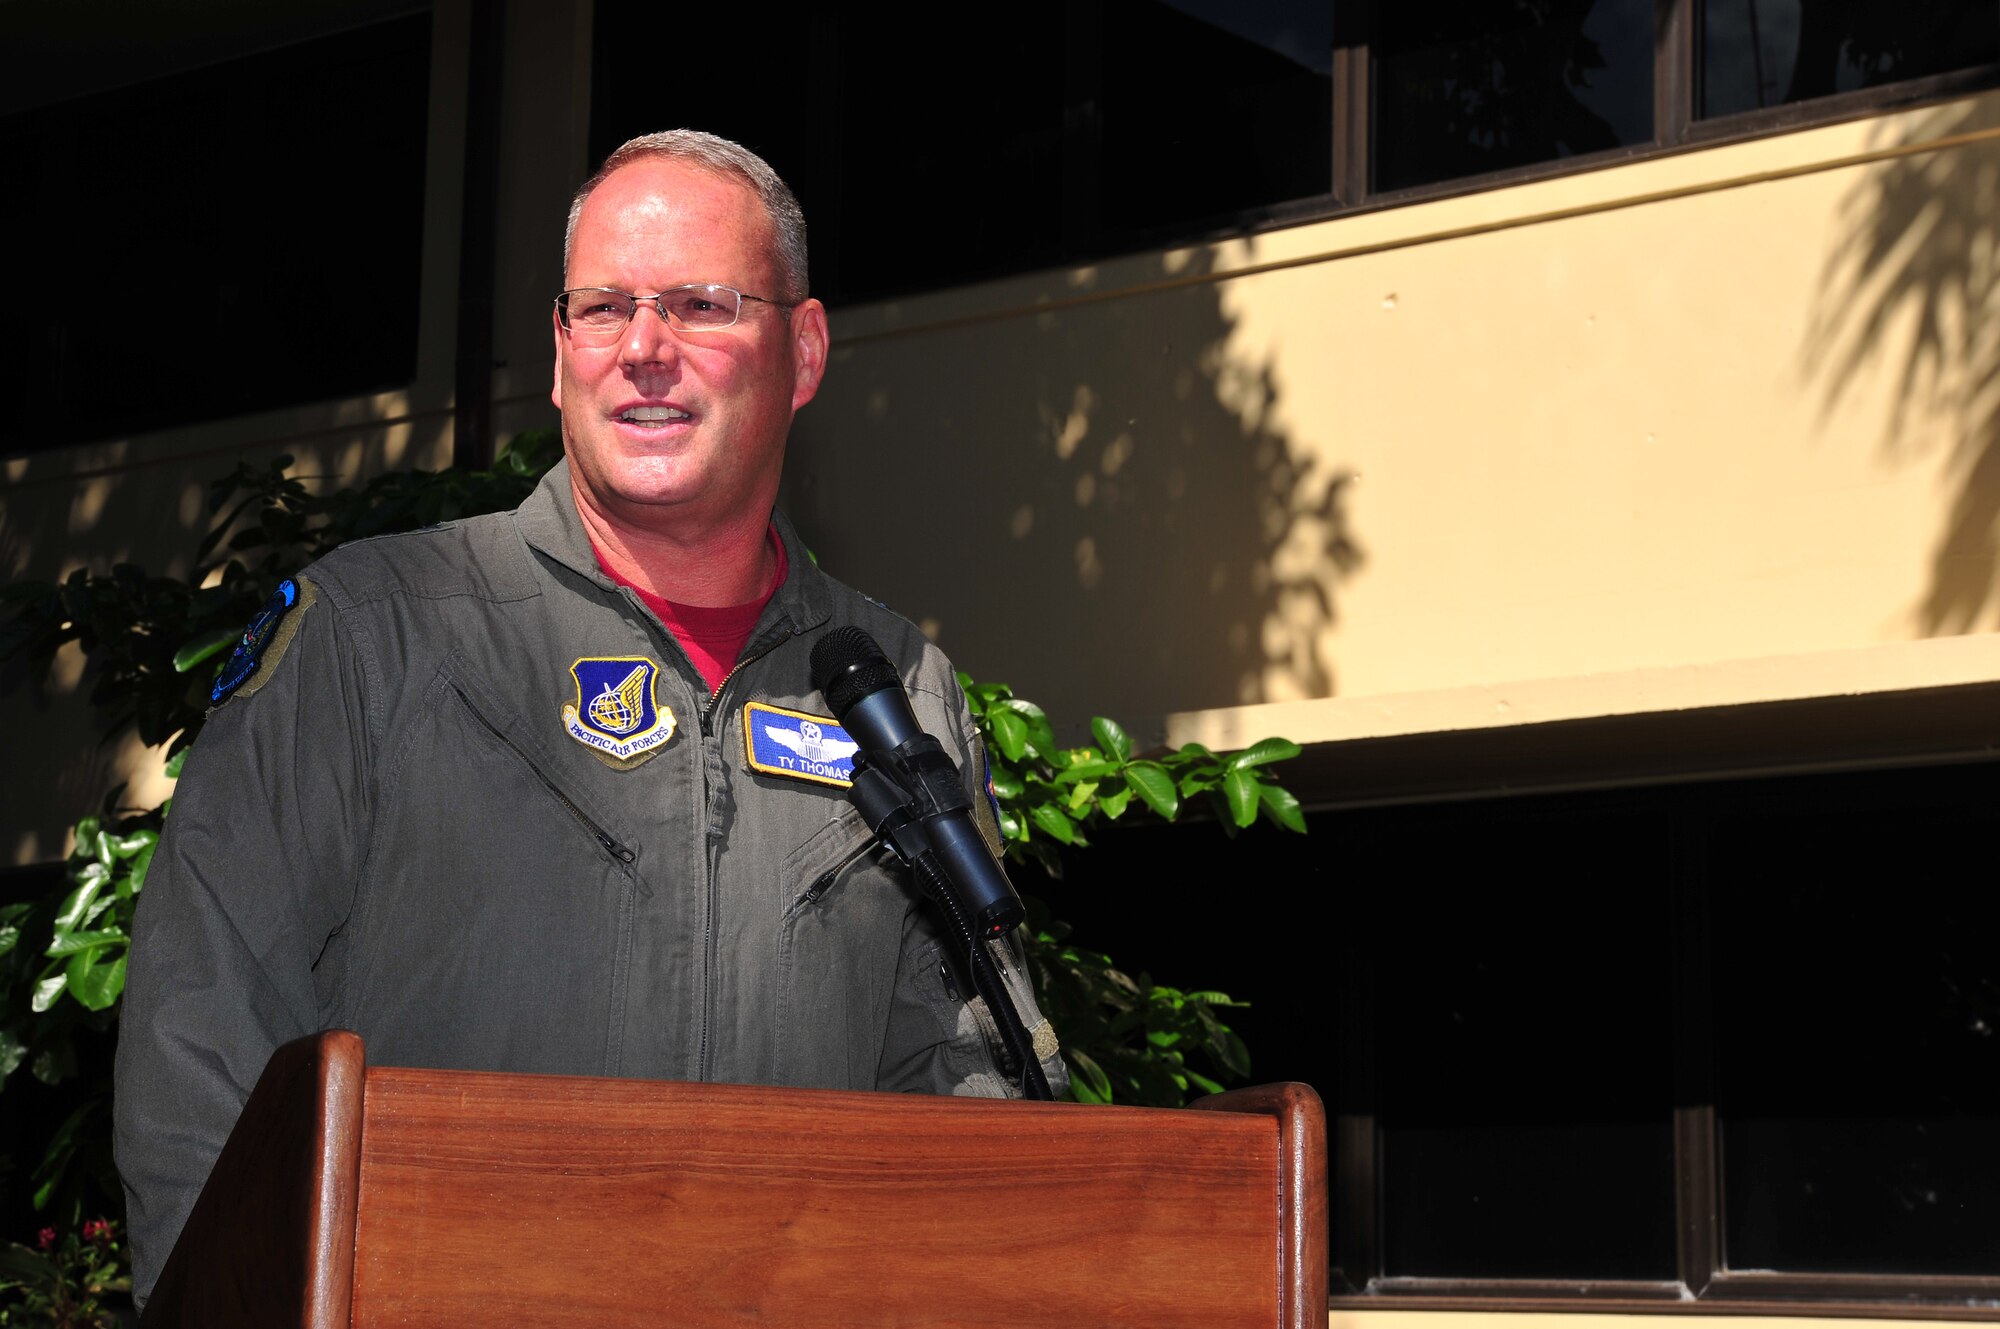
{"type": "Point", "coordinates": [617, 712]}
{"type": "Point", "coordinates": [797, 745]}
{"type": "Point", "coordinates": [264, 642]}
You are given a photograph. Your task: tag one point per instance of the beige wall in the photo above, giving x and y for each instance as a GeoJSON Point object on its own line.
{"type": "Point", "coordinates": [1714, 407]}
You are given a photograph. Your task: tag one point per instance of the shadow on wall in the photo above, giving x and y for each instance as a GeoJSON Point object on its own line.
{"type": "Point", "coordinates": [98, 507]}
{"type": "Point", "coordinates": [1920, 246]}
{"type": "Point", "coordinates": [1098, 504]}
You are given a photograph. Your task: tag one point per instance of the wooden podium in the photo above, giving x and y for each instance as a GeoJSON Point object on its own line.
{"type": "Point", "coordinates": [350, 1195]}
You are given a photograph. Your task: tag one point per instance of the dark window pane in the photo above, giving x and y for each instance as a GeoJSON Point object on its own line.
{"type": "Point", "coordinates": [1758, 53]}
{"type": "Point", "coordinates": [764, 103]}
{"type": "Point", "coordinates": [1858, 993]}
{"type": "Point", "coordinates": [1211, 108]}
{"type": "Point", "coordinates": [950, 153]}
{"type": "Point", "coordinates": [1063, 132]}
{"type": "Point", "coordinates": [1523, 1044]}
{"type": "Point", "coordinates": [1462, 87]}
{"type": "Point", "coordinates": [250, 234]}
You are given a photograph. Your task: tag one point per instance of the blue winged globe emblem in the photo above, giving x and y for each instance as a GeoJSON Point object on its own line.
{"type": "Point", "coordinates": [617, 712]}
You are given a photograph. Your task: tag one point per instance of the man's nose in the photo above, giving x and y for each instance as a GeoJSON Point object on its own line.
{"type": "Point", "coordinates": [649, 339]}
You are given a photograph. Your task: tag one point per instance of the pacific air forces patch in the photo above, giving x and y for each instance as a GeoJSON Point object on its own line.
{"type": "Point", "coordinates": [617, 712]}
{"type": "Point", "coordinates": [797, 745]}
{"type": "Point", "coordinates": [264, 641]}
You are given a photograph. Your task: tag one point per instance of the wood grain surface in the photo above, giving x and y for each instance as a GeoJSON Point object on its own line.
{"type": "Point", "coordinates": [270, 1240]}
{"type": "Point", "coordinates": [1302, 1197]}
{"type": "Point", "coordinates": [511, 1199]}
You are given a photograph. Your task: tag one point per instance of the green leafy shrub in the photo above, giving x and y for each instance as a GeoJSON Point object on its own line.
{"type": "Point", "coordinates": [1126, 1038]}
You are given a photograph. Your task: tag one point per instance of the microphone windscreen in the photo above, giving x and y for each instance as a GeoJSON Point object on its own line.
{"type": "Point", "coordinates": [850, 666]}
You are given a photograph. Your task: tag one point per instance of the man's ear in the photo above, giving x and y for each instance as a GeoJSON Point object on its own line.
{"type": "Point", "coordinates": [809, 346]}
{"type": "Point", "coordinates": [555, 390]}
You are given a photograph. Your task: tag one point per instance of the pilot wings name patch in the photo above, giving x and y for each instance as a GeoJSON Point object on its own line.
{"type": "Point", "coordinates": [616, 712]}
{"type": "Point", "coordinates": [798, 746]}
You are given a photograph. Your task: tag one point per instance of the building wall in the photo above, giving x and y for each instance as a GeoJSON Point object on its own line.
{"type": "Point", "coordinates": [1712, 407]}
{"type": "Point", "coordinates": [1723, 406]}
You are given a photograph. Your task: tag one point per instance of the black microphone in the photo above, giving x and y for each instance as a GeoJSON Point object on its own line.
{"type": "Point", "coordinates": [866, 695]}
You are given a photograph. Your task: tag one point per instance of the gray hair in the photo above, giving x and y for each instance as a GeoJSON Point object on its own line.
{"type": "Point", "coordinates": [719, 155]}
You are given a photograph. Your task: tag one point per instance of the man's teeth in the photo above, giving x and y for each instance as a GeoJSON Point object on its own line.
{"type": "Point", "coordinates": [653, 414]}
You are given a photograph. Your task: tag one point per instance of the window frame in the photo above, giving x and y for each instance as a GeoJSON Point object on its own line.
{"type": "Point", "coordinates": [1705, 1284]}
{"type": "Point", "coordinates": [1676, 127]}
{"type": "Point", "coordinates": [1086, 239]}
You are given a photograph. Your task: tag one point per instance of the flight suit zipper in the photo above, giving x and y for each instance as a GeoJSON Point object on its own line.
{"type": "Point", "coordinates": [610, 845]}
{"type": "Point", "coordinates": [704, 1048]}
{"type": "Point", "coordinates": [824, 881]}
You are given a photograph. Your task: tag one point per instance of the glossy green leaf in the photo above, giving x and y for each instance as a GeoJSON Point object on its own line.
{"type": "Point", "coordinates": [1010, 732]}
{"type": "Point", "coordinates": [1087, 770]}
{"type": "Point", "coordinates": [76, 904]}
{"type": "Point", "coordinates": [96, 982]}
{"type": "Point", "coordinates": [12, 1050]}
{"type": "Point", "coordinates": [1111, 738]}
{"type": "Point", "coordinates": [11, 918]}
{"type": "Point", "coordinates": [46, 993]}
{"type": "Point", "coordinates": [205, 646]}
{"type": "Point", "coordinates": [1282, 807]}
{"type": "Point", "coordinates": [1087, 1081]}
{"type": "Point", "coordinates": [134, 879]}
{"type": "Point", "coordinates": [1195, 782]}
{"type": "Point", "coordinates": [1037, 737]}
{"type": "Point", "coordinates": [125, 846]}
{"type": "Point", "coordinates": [1263, 752]}
{"type": "Point", "coordinates": [1240, 788]}
{"type": "Point", "coordinates": [1054, 822]}
{"type": "Point", "coordinates": [1150, 781]}
{"type": "Point", "coordinates": [76, 943]}
{"type": "Point", "coordinates": [1203, 1083]}
{"type": "Point", "coordinates": [1113, 804]}
{"type": "Point", "coordinates": [1007, 783]}
{"type": "Point", "coordinates": [1210, 997]}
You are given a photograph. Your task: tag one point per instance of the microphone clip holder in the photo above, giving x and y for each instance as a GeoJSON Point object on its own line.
{"type": "Point", "coordinates": [898, 818]}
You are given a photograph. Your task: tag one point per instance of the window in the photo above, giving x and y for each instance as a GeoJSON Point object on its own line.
{"type": "Point", "coordinates": [230, 239]}
{"type": "Point", "coordinates": [1065, 131]}
{"type": "Point", "coordinates": [1069, 132]}
{"type": "Point", "coordinates": [1522, 1050]}
{"type": "Point", "coordinates": [1763, 53]}
{"type": "Point", "coordinates": [1733, 1040]}
{"type": "Point", "coordinates": [1858, 1064]}
{"type": "Point", "coordinates": [1465, 87]}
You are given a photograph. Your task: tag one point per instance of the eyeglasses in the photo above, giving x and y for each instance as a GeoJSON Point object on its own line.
{"type": "Point", "coordinates": [596, 315]}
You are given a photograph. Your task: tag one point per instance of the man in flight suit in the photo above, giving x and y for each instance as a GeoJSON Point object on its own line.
{"type": "Point", "coordinates": [553, 790]}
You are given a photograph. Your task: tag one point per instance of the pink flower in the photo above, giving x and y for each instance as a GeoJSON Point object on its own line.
{"type": "Point", "coordinates": [97, 1229]}
{"type": "Point", "coordinates": [47, 1239]}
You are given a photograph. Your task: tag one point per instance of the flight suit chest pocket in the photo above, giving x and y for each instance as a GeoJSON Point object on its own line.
{"type": "Point", "coordinates": [845, 906]}
{"type": "Point", "coordinates": [499, 904]}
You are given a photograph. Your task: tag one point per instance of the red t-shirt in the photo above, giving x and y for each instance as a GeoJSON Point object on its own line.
{"type": "Point", "coordinates": [713, 637]}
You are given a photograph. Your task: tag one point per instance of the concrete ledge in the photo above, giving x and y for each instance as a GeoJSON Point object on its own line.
{"type": "Point", "coordinates": [1906, 703]}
